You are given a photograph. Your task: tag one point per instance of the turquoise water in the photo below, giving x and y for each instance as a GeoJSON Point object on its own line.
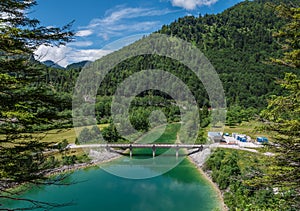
{"type": "Point", "coordinates": [182, 188]}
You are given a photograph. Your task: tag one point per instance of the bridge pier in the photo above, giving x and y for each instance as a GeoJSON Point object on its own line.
{"type": "Point", "coordinates": [130, 151]}
{"type": "Point", "coordinates": [177, 151]}
{"type": "Point", "coordinates": [153, 150]}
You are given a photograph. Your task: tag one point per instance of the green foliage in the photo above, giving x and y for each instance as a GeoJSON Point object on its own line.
{"type": "Point", "coordinates": [62, 145]}
{"type": "Point", "coordinates": [283, 115]}
{"type": "Point", "coordinates": [83, 158]}
{"type": "Point", "coordinates": [139, 119]}
{"type": "Point", "coordinates": [102, 109]}
{"type": "Point", "coordinates": [51, 162]}
{"type": "Point", "coordinates": [204, 116]}
{"type": "Point", "coordinates": [92, 135]}
{"type": "Point", "coordinates": [21, 34]}
{"type": "Point", "coordinates": [202, 137]}
{"type": "Point", "coordinates": [225, 168]}
{"type": "Point", "coordinates": [290, 34]}
{"type": "Point", "coordinates": [26, 101]}
{"type": "Point", "coordinates": [238, 42]}
{"type": "Point", "coordinates": [85, 136]}
{"type": "Point", "coordinates": [110, 134]}
{"type": "Point", "coordinates": [26, 94]}
{"type": "Point", "coordinates": [69, 160]}
{"type": "Point", "coordinates": [232, 170]}
{"type": "Point", "coordinates": [236, 115]}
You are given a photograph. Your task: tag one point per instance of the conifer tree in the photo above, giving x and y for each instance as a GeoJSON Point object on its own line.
{"type": "Point", "coordinates": [24, 101]}
{"type": "Point", "coordinates": [283, 116]}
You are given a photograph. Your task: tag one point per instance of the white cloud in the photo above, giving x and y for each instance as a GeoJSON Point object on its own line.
{"type": "Point", "coordinates": [89, 54]}
{"type": "Point", "coordinates": [118, 30]}
{"type": "Point", "coordinates": [81, 43]}
{"type": "Point", "coordinates": [122, 21]}
{"type": "Point", "coordinates": [129, 13]}
{"type": "Point", "coordinates": [56, 54]}
{"type": "Point", "coordinates": [84, 33]}
{"type": "Point", "coordinates": [192, 4]}
{"type": "Point", "coordinates": [64, 55]}
{"type": "Point", "coordinates": [118, 22]}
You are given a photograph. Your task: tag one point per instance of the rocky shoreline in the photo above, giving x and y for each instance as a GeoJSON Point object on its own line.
{"type": "Point", "coordinates": [97, 158]}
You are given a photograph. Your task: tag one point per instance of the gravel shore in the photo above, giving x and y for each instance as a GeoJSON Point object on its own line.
{"type": "Point", "coordinates": [97, 157]}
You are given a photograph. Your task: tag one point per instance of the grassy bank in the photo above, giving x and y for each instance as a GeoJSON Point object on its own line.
{"type": "Point", "coordinates": [57, 135]}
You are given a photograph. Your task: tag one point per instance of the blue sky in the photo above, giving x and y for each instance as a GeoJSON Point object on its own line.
{"type": "Point", "coordinates": [104, 26]}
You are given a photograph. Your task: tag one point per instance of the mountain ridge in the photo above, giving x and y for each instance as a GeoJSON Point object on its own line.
{"type": "Point", "coordinates": [50, 63]}
{"type": "Point", "coordinates": [75, 65]}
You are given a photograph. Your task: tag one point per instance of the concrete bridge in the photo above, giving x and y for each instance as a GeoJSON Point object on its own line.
{"type": "Point", "coordinates": [155, 146]}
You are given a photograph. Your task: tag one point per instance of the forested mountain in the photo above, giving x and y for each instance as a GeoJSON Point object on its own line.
{"type": "Point", "coordinates": [239, 43]}
{"type": "Point", "coordinates": [77, 65]}
{"type": "Point", "coordinates": [52, 64]}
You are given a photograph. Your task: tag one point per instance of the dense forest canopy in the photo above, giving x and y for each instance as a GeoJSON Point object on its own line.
{"type": "Point", "coordinates": [270, 182]}
{"type": "Point", "coordinates": [239, 42]}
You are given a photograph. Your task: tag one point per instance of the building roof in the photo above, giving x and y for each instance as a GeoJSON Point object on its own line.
{"type": "Point", "coordinates": [213, 134]}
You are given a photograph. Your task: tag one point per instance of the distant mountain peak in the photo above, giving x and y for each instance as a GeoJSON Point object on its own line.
{"type": "Point", "coordinates": [52, 64]}
{"type": "Point", "coordinates": [78, 65]}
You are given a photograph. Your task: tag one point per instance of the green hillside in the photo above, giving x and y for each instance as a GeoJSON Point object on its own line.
{"type": "Point", "coordinates": [239, 43]}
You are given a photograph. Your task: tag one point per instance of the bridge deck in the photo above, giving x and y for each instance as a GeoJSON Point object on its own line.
{"type": "Point", "coordinates": [187, 146]}
{"type": "Point", "coordinates": [152, 146]}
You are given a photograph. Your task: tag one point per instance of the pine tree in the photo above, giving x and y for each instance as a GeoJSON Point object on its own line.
{"type": "Point", "coordinates": [290, 34]}
{"type": "Point", "coordinates": [24, 101]}
{"type": "Point", "coordinates": [283, 116]}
